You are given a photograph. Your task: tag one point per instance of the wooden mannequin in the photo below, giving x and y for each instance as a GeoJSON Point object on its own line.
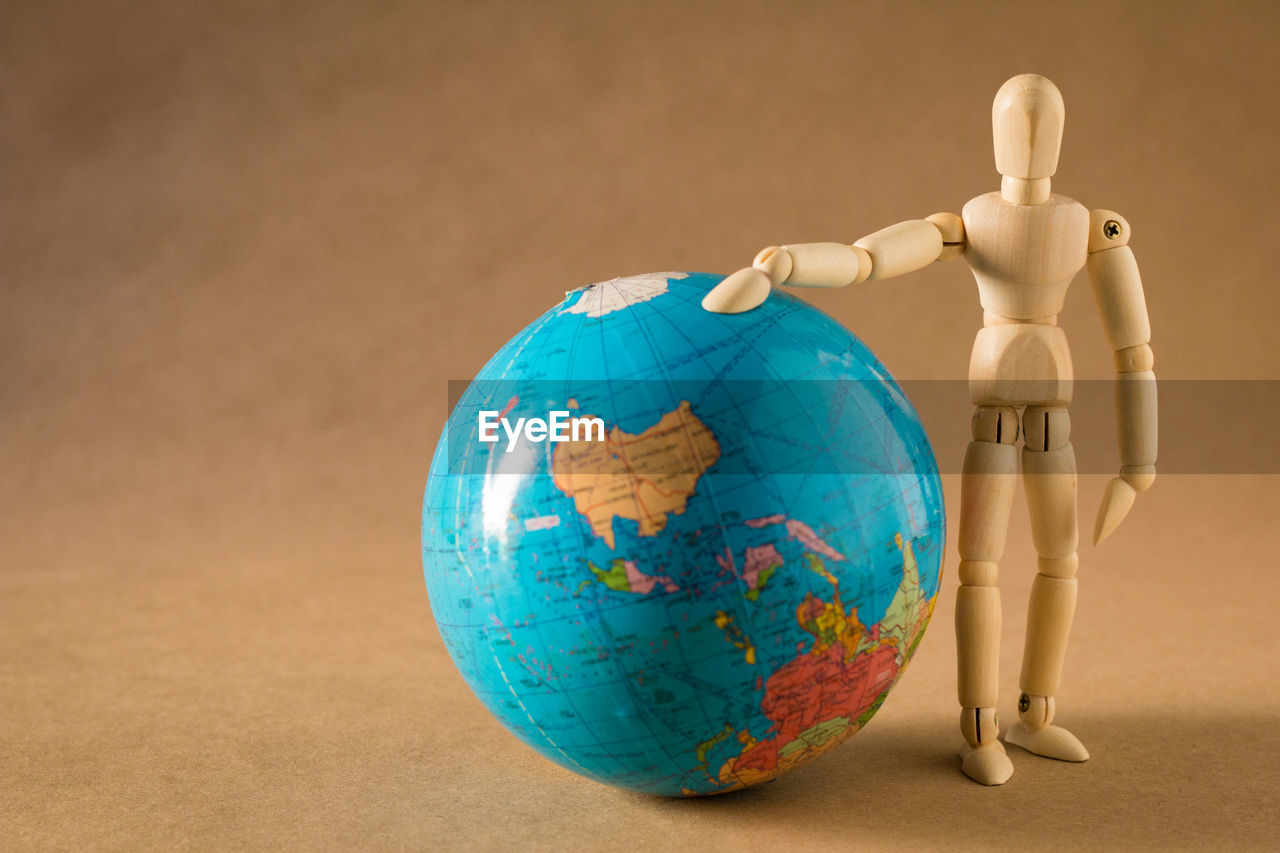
{"type": "Point", "coordinates": [1024, 246]}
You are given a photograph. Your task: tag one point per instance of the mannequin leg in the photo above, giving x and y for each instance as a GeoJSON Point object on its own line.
{"type": "Point", "coordinates": [986, 496]}
{"type": "Point", "coordinates": [1049, 475]}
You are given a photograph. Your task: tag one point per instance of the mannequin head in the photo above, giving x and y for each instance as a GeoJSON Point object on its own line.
{"type": "Point", "coordinates": [1026, 123]}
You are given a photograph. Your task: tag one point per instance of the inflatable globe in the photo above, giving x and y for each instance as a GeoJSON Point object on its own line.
{"type": "Point", "coordinates": [682, 552]}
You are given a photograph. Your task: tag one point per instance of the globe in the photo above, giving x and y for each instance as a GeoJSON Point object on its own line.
{"type": "Point", "coordinates": [681, 552]}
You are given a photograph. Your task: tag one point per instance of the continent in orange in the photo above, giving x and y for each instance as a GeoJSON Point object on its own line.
{"type": "Point", "coordinates": [643, 477]}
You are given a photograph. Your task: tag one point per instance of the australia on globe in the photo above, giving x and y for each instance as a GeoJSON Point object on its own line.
{"type": "Point", "coordinates": [682, 552]}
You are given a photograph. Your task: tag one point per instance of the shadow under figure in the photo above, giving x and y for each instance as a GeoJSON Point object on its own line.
{"type": "Point", "coordinates": [1024, 246]}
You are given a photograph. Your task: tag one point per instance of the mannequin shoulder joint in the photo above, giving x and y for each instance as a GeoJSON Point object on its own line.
{"type": "Point", "coordinates": [1107, 230]}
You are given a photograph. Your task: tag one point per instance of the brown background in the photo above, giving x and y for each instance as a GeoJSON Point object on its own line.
{"type": "Point", "coordinates": [245, 247]}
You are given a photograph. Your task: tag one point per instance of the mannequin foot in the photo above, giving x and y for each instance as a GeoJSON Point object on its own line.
{"type": "Point", "coordinates": [1050, 741]}
{"type": "Point", "coordinates": [986, 764]}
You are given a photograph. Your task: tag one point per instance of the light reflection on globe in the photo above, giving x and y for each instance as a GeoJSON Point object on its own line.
{"type": "Point", "coordinates": [725, 586]}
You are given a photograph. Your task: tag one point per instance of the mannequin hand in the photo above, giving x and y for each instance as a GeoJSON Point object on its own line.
{"type": "Point", "coordinates": [1118, 499]}
{"type": "Point", "coordinates": [742, 291]}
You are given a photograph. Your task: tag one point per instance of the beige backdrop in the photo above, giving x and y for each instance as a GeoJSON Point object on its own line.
{"type": "Point", "coordinates": [245, 246]}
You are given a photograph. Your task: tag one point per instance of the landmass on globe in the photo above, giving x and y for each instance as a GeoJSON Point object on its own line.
{"type": "Point", "coordinates": [606, 297]}
{"type": "Point", "coordinates": [831, 689]}
{"type": "Point", "coordinates": [642, 477]}
{"type": "Point", "coordinates": [625, 576]}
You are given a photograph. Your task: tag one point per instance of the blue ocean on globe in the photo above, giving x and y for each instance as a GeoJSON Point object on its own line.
{"type": "Point", "coordinates": [713, 566]}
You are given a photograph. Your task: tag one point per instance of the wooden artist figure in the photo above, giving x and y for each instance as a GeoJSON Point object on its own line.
{"type": "Point", "coordinates": [1024, 245]}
